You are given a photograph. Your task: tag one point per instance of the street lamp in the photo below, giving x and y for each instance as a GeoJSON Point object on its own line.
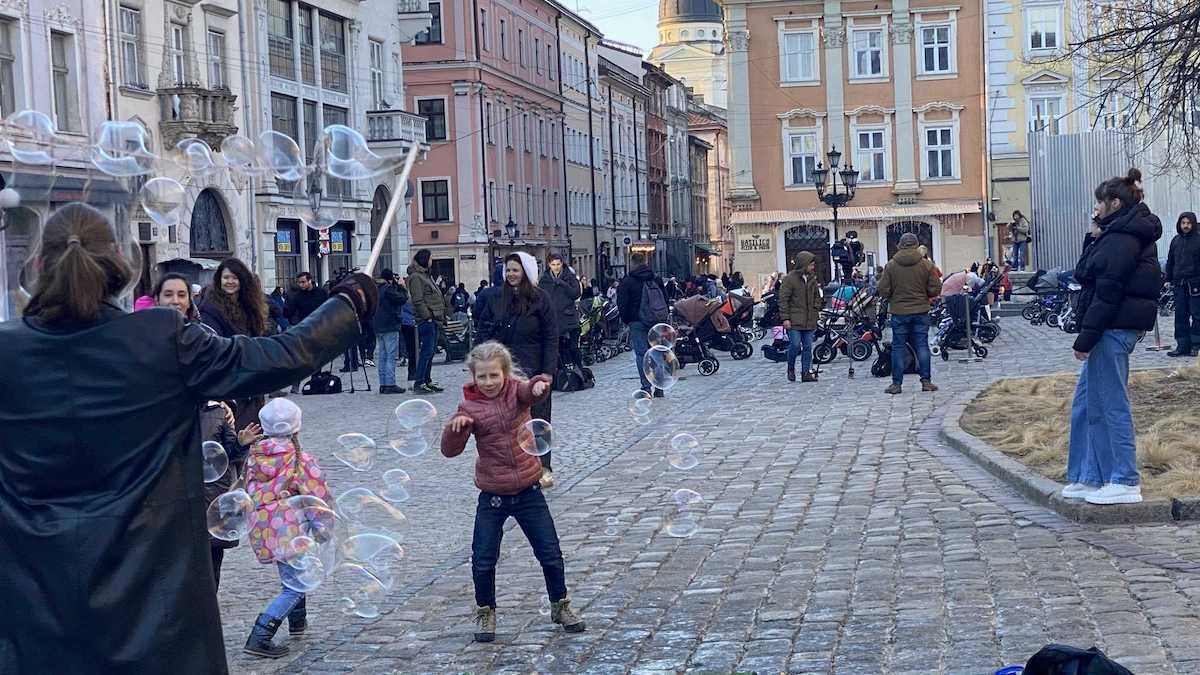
{"type": "Point", "coordinates": [829, 193]}
{"type": "Point", "coordinates": [511, 229]}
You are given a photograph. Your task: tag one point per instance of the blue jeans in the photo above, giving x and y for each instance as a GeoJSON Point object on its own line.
{"type": "Point", "coordinates": [1019, 248]}
{"type": "Point", "coordinates": [800, 342]}
{"type": "Point", "coordinates": [640, 341]}
{"type": "Point", "coordinates": [287, 598]}
{"type": "Point", "coordinates": [1102, 446]}
{"type": "Point", "coordinates": [426, 342]}
{"type": "Point", "coordinates": [912, 329]}
{"type": "Point", "coordinates": [1187, 319]}
{"type": "Point", "coordinates": [387, 350]}
{"type": "Point", "coordinates": [533, 516]}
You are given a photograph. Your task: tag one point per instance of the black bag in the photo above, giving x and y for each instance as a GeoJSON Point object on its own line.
{"type": "Point", "coordinates": [1066, 660]}
{"type": "Point", "coordinates": [883, 363]}
{"type": "Point", "coordinates": [323, 382]}
{"type": "Point", "coordinates": [654, 308]}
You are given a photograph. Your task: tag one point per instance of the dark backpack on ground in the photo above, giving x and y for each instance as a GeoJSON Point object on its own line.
{"type": "Point", "coordinates": [654, 308]}
{"type": "Point", "coordinates": [883, 363]}
{"type": "Point", "coordinates": [1066, 660]}
{"type": "Point", "coordinates": [324, 382]}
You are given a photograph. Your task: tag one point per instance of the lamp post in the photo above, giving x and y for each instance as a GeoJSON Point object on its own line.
{"type": "Point", "coordinates": [828, 193]}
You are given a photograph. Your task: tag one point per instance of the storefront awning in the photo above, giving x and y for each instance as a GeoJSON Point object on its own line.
{"type": "Point", "coordinates": [707, 250]}
{"type": "Point", "coordinates": [855, 213]}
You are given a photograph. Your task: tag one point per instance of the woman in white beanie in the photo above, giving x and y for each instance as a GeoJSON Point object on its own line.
{"type": "Point", "coordinates": [521, 318]}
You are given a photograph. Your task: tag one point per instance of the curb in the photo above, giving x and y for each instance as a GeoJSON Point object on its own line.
{"type": "Point", "coordinates": [1045, 492]}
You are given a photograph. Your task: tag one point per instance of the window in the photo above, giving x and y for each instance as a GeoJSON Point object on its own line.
{"type": "Point", "coordinates": [376, 74]}
{"type": "Point", "coordinates": [936, 49]}
{"type": "Point", "coordinates": [939, 152]}
{"type": "Point", "coordinates": [542, 138]}
{"type": "Point", "coordinates": [1043, 28]}
{"type": "Point", "coordinates": [485, 30]}
{"type": "Point", "coordinates": [1116, 111]}
{"type": "Point", "coordinates": [525, 132]}
{"type": "Point", "coordinates": [537, 55]}
{"type": "Point", "coordinates": [216, 60]}
{"type": "Point", "coordinates": [545, 213]}
{"type": "Point", "coordinates": [130, 24]}
{"type": "Point", "coordinates": [435, 201]}
{"type": "Point", "coordinates": [1044, 112]}
{"type": "Point", "coordinates": [802, 155]}
{"type": "Point", "coordinates": [279, 39]}
{"type": "Point", "coordinates": [434, 112]}
{"type": "Point", "coordinates": [510, 201]}
{"type": "Point", "coordinates": [283, 115]}
{"type": "Point", "coordinates": [488, 121]}
{"type": "Point", "coordinates": [868, 53]}
{"type": "Point", "coordinates": [309, 142]}
{"type": "Point", "coordinates": [556, 207]}
{"type": "Point", "coordinates": [528, 204]}
{"type": "Point", "coordinates": [175, 53]}
{"type": "Point", "coordinates": [550, 61]}
{"type": "Point", "coordinates": [503, 40]}
{"type": "Point", "coordinates": [63, 80]}
{"type": "Point", "coordinates": [333, 53]}
{"type": "Point", "coordinates": [8, 68]}
{"type": "Point", "coordinates": [872, 158]}
{"type": "Point", "coordinates": [433, 34]}
{"type": "Point", "coordinates": [521, 47]}
{"type": "Point", "coordinates": [332, 115]}
{"type": "Point", "coordinates": [492, 199]}
{"type": "Point", "coordinates": [553, 141]}
{"type": "Point", "coordinates": [798, 59]}
{"type": "Point", "coordinates": [508, 128]}
{"type": "Point", "coordinates": [308, 59]}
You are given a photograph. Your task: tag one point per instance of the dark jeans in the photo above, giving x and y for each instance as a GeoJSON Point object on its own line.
{"type": "Point", "coordinates": [913, 329]}
{"type": "Point", "coordinates": [426, 341]}
{"type": "Point", "coordinates": [1019, 248]}
{"type": "Point", "coordinates": [1187, 319]}
{"type": "Point", "coordinates": [533, 516]}
{"type": "Point", "coordinates": [800, 342]}
{"type": "Point", "coordinates": [568, 349]}
{"type": "Point", "coordinates": [409, 335]}
{"type": "Point", "coordinates": [640, 341]}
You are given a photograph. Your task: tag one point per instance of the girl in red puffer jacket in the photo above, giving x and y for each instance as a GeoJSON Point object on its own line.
{"type": "Point", "coordinates": [495, 407]}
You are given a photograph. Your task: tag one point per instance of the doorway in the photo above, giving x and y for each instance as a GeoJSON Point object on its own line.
{"type": "Point", "coordinates": [811, 238]}
{"type": "Point", "coordinates": [924, 232]}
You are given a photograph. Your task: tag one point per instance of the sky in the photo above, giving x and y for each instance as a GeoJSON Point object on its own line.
{"type": "Point", "coordinates": [631, 21]}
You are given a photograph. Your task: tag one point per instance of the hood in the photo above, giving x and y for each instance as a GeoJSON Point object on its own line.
{"type": "Point", "coordinates": [642, 273]}
{"type": "Point", "coordinates": [803, 260]}
{"type": "Point", "coordinates": [529, 264]}
{"type": "Point", "coordinates": [472, 393]}
{"type": "Point", "coordinates": [413, 268]}
{"type": "Point", "coordinates": [1190, 216]}
{"type": "Point", "coordinates": [908, 257]}
{"type": "Point", "coordinates": [1135, 220]}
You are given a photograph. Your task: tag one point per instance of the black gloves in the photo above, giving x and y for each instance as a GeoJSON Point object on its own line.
{"type": "Point", "coordinates": [362, 292]}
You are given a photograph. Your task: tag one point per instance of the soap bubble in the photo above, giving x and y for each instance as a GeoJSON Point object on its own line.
{"type": "Point", "coordinates": [280, 155]}
{"type": "Point", "coordinates": [410, 443]}
{"type": "Point", "coordinates": [343, 153]}
{"type": "Point", "coordinates": [216, 462]}
{"type": "Point", "coordinates": [395, 484]}
{"type": "Point", "coordinates": [314, 517]}
{"type": "Point", "coordinates": [364, 591]}
{"type": "Point", "coordinates": [356, 451]}
{"type": "Point", "coordinates": [369, 513]}
{"type": "Point", "coordinates": [31, 137]}
{"type": "Point", "coordinates": [309, 561]}
{"type": "Point", "coordinates": [544, 663]}
{"type": "Point", "coordinates": [536, 437]}
{"type": "Point", "coordinates": [195, 157]}
{"type": "Point", "coordinates": [240, 155]}
{"type": "Point", "coordinates": [122, 149]}
{"type": "Point", "coordinates": [611, 529]}
{"type": "Point", "coordinates": [127, 246]}
{"type": "Point", "coordinates": [640, 404]}
{"type": "Point", "coordinates": [680, 523]}
{"type": "Point", "coordinates": [544, 608]}
{"type": "Point", "coordinates": [378, 553]}
{"type": "Point", "coordinates": [641, 420]}
{"type": "Point", "coordinates": [162, 198]}
{"type": "Point", "coordinates": [415, 413]}
{"type": "Point", "coordinates": [662, 335]}
{"type": "Point", "coordinates": [682, 454]}
{"type": "Point", "coordinates": [231, 515]}
{"type": "Point", "coordinates": [662, 367]}
{"type": "Point", "coordinates": [685, 497]}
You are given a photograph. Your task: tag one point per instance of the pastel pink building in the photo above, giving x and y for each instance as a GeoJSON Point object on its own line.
{"type": "Point", "coordinates": [486, 76]}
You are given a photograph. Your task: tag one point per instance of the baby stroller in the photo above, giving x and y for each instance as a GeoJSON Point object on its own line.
{"type": "Point", "coordinates": [699, 322]}
{"type": "Point", "coordinates": [847, 327]}
{"type": "Point", "coordinates": [591, 334]}
{"type": "Point", "coordinates": [458, 337]}
{"type": "Point", "coordinates": [739, 311]}
{"type": "Point", "coordinates": [951, 317]}
{"type": "Point", "coordinates": [777, 350]}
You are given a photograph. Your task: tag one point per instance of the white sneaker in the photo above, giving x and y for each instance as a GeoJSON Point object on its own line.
{"type": "Point", "coordinates": [1115, 493]}
{"type": "Point", "coordinates": [1077, 491]}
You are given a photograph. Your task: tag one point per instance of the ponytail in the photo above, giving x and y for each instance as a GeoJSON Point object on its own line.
{"type": "Point", "coordinates": [1127, 189]}
{"type": "Point", "coordinates": [81, 266]}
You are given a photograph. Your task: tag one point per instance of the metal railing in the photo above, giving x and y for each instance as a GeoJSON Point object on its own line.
{"type": "Point", "coordinates": [395, 125]}
{"type": "Point", "coordinates": [412, 6]}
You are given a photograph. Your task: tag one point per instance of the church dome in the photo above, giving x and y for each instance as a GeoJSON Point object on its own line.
{"type": "Point", "coordinates": [688, 11]}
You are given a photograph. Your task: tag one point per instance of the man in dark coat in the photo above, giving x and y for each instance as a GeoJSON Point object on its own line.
{"type": "Point", "coordinates": [1183, 273]}
{"type": "Point", "coordinates": [629, 304]}
{"type": "Point", "coordinates": [800, 306]}
{"type": "Point", "coordinates": [907, 283]}
{"type": "Point", "coordinates": [304, 299]}
{"type": "Point", "coordinates": [388, 320]}
{"type": "Point", "coordinates": [562, 289]}
{"type": "Point", "coordinates": [107, 567]}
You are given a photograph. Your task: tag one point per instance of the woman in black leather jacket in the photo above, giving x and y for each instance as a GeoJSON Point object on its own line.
{"type": "Point", "coordinates": [106, 555]}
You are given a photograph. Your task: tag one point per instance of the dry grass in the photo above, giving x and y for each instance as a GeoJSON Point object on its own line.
{"type": "Point", "coordinates": [1029, 420]}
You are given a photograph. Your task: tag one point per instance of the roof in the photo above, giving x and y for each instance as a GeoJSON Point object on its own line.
{"type": "Point", "coordinates": [688, 11]}
{"type": "Point", "coordinates": [823, 213]}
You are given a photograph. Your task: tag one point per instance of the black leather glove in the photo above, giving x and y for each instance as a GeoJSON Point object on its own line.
{"type": "Point", "coordinates": [362, 292]}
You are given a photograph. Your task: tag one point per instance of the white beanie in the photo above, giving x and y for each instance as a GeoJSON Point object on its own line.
{"type": "Point", "coordinates": [529, 263]}
{"type": "Point", "coordinates": [279, 417]}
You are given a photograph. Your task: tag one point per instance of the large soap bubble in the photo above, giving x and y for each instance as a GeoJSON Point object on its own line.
{"type": "Point", "coordinates": [662, 335]}
{"type": "Point", "coordinates": [536, 437]}
{"type": "Point", "coordinates": [215, 461]}
{"type": "Point", "coordinates": [280, 155]}
{"type": "Point", "coordinates": [342, 152]}
{"type": "Point", "coordinates": [240, 155]}
{"type": "Point", "coordinates": [415, 413]}
{"type": "Point", "coordinates": [662, 367]}
{"type": "Point", "coordinates": [310, 563]}
{"type": "Point", "coordinates": [367, 512]}
{"type": "Point", "coordinates": [410, 443]}
{"type": "Point", "coordinates": [396, 486]}
{"type": "Point", "coordinates": [364, 591]}
{"type": "Point", "coordinates": [231, 515]}
{"type": "Point", "coordinates": [195, 157]}
{"type": "Point", "coordinates": [122, 149]}
{"type": "Point", "coordinates": [356, 451]}
{"type": "Point", "coordinates": [162, 198]}
{"type": "Point", "coordinates": [31, 137]}
{"type": "Point", "coordinates": [682, 454]}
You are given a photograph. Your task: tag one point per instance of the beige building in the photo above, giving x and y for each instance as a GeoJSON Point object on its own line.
{"type": "Point", "coordinates": [895, 86]}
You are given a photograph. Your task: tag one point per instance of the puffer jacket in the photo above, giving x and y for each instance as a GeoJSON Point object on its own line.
{"type": "Point", "coordinates": [800, 295]}
{"type": "Point", "coordinates": [1120, 276]}
{"type": "Point", "coordinates": [277, 471]}
{"type": "Point", "coordinates": [502, 468]}
{"type": "Point", "coordinates": [428, 301]}
{"type": "Point", "coordinates": [908, 282]}
{"type": "Point", "coordinates": [1183, 262]}
{"type": "Point", "coordinates": [563, 290]}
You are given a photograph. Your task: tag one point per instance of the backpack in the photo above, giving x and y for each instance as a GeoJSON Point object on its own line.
{"type": "Point", "coordinates": [322, 383]}
{"type": "Point", "coordinates": [1066, 660]}
{"type": "Point", "coordinates": [653, 309]}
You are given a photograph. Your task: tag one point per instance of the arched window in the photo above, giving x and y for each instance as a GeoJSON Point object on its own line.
{"type": "Point", "coordinates": [378, 210]}
{"type": "Point", "coordinates": [209, 237]}
{"type": "Point", "coordinates": [714, 34]}
{"type": "Point", "coordinates": [683, 35]}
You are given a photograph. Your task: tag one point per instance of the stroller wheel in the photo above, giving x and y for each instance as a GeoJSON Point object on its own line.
{"type": "Point", "coordinates": [741, 350]}
{"type": "Point", "coordinates": [759, 333]}
{"type": "Point", "coordinates": [708, 366]}
{"type": "Point", "coordinates": [935, 349]}
{"type": "Point", "coordinates": [981, 351]}
{"type": "Point", "coordinates": [1052, 320]}
{"type": "Point", "coordinates": [860, 351]}
{"type": "Point", "coordinates": [824, 353]}
{"type": "Point", "coordinates": [988, 332]}
{"type": "Point", "coordinates": [1029, 311]}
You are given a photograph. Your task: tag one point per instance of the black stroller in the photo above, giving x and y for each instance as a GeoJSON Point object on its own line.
{"type": "Point", "coordinates": [457, 337]}
{"type": "Point", "coordinates": [952, 316]}
{"type": "Point", "coordinates": [697, 319]}
{"type": "Point", "coordinates": [739, 312]}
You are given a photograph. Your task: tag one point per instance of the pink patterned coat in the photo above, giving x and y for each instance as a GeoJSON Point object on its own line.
{"type": "Point", "coordinates": [273, 474]}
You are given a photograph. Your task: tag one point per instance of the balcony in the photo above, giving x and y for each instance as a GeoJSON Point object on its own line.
{"type": "Point", "coordinates": [413, 16]}
{"type": "Point", "coordinates": [191, 110]}
{"type": "Point", "coordinates": [394, 131]}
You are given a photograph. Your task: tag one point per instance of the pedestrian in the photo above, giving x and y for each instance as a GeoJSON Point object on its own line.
{"type": "Point", "coordinates": [172, 292]}
{"type": "Point", "coordinates": [800, 306]}
{"type": "Point", "coordinates": [136, 591]}
{"type": "Point", "coordinates": [612, 291]}
{"type": "Point", "coordinates": [908, 282]}
{"type": "Point", "coordinates": [1121, 281]}
{"type": "Point", "coordinates": [1020, 229]}
{"type": "Point", "coordinates": [302, 300]}
{"type": "Point", "coordinates": [216, 425]}
{"type": "Point", "coordinates": [388, 320]}
{"type": "Point", "coordinates": [237, 306]}
{"type": "Point", "coordinates": [521, 317]}
{"type": "Point", "coordinates": [736, 281]}
{"type": "Point", "coordinates": [460, 299]}
{"type": "Point", "coordinates": [408, 334]}
{"type": "Point", "coordinates": [1183, 274]}
{"type": "Point", "coordinates": [924, 251]}
{"type": "Point", "coordinates": [496, 405]}
{"type": "Point", "coordinates": [429, 306]}
{"type": "Point", "coordinates": [642, 303]}
{"type": "Point", "coordinates": [563, 290]}
{"type": "Point", "coordinates": [277, 470]}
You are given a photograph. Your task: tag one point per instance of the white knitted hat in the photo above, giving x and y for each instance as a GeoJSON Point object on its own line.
{"type": "Point", "coordinates": [279, 417]}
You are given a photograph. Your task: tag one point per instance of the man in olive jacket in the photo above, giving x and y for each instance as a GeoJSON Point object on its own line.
{"type": "Point", "coordinates": [800, 306]}
{"type": "Point", "coordinates": [429, 306]}
{"type": "Point", "coordinates": [907, 283]}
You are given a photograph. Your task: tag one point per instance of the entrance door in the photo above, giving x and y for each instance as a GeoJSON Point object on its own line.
{"type": "Point", "coordinates": [924, 232]}
{"type": "Point", "coordinates": [811, 238]}
{"type": "Point", "coordinates": [444, 268]}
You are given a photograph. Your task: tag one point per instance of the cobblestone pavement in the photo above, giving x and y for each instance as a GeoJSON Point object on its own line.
{"type": "Point", "coordinates": [838, 535]}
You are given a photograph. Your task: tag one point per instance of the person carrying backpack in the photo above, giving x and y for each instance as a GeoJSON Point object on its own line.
{"type": "Point", "coordinates": [642, 302]}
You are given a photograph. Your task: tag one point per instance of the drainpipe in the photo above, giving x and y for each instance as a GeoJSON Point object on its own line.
{"type": "Point", "coordinates": [587, 64]}
{"type": "Point", "coordinates": [243, 17]}
{"type": "Point", "coordinates": [612, 168]}
{"type": "Point", "coordinates": [637, 170]}
{"type": "Point", "coordinates": [562, 133]}
{"type": "Point", "coordinates": [487, 268]}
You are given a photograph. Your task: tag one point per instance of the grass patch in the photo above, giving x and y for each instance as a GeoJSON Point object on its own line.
{"type": "Point", "coordinates": [1030, 421]}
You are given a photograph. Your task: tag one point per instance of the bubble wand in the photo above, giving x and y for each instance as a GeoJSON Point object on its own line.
{"type": "Point", "coordinates": [393, 207]}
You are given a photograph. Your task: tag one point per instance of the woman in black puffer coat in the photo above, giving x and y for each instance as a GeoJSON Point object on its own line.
{"type": "Point", "coordinates": [1121, 280]}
